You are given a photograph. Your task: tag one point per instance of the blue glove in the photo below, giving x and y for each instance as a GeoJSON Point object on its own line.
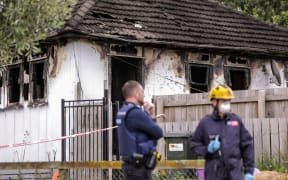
{"type": "Point", "coordinates": [249, 176]}
{"type": "Point", "coordinates": [214, 145]}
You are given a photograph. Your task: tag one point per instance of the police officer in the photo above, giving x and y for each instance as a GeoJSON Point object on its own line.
{"type": "Point", "coordinates": [223, 141]}
{"type": "Point", "coordinates": [137, 134]}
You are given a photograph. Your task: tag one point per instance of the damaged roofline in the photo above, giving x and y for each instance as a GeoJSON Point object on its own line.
{"type": "Point", "coordinates": [108, 38]}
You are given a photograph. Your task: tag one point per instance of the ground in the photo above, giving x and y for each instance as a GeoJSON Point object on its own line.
{"type": "Point", "coordinates": [271, 175]}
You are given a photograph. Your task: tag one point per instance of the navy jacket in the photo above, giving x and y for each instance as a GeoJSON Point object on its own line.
{"type": "Point", "coordinates": [236, 145]}
{"type": "Point", "coordinates": [137, 132]}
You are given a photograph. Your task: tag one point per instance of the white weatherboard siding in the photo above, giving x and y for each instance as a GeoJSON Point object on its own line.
{"type": "Point", "coordinates": [165, 75]}
{"type": "Point", "coordinates": [93, 70]}
{"type": "Point", "coordinates": [79, 61]}
{"type": "Point", "coordinates": [262, 76]}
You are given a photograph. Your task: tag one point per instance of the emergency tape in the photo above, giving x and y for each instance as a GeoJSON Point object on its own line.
{"type": "Point", "coordinates": [55, 139]}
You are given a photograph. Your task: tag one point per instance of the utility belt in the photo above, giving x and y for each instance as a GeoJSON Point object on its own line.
{"type": "Point", "coordinates": [140, 160]}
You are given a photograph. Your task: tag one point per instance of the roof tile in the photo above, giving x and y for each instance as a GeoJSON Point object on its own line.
{"type": "Point", "coordinates": [194, 23]}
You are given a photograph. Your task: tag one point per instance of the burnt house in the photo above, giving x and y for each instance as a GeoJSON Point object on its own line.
{"type": "Point", "coordinates": [171, 47]}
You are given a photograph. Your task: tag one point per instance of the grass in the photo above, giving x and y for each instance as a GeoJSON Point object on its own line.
{"type": "Point", "coordinates": [269, 163]}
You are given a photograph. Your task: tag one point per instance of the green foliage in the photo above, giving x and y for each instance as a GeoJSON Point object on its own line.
{"type": "Point", "coordinates": [271, 164]}
{"type": "Point", "coordinates": [24, 22]}
{"type": "Point", "coordinates": [273, 11]}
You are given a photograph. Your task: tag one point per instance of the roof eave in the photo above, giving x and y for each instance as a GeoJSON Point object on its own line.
{"type": "Point", "coordinates": [69, 33]}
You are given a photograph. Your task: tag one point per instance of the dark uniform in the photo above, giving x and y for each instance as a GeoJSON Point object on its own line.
{"type": "Point", "coordinates": [236, 145]}
{"type": "Point", "coordinates": [137, 136]}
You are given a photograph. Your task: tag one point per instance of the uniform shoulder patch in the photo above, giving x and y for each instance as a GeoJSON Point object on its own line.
{"type": "Point", "coordinates": [233, 123]}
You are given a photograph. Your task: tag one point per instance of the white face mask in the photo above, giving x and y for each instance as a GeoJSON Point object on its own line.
{"type": "Point", "coordinates": [225, 107]}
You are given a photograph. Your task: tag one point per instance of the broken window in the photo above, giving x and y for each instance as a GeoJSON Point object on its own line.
{"type": "Point", "coordinates": [1, 86]}
{"type": "Point", "coordinates": [122, 49]}
{"type": "Point", "coordinates": [237, 73]}
{"type": "Point", "coordinates": [26, 81]}
{"type": "Point", "coordinates": [38, 80]}
{"type": "Point", "coordinates": [200, 76]}
{"type": "Point", "coordinates": [205, 57]}
{"type": "Point", "coordinates": [237, 78]}
{"type": "Point", "coordinates": [233, 60]}
{"type": "Point", "coordinates": [14, 84]}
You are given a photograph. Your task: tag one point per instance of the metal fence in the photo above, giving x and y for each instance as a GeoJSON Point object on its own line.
{"type": "Point", "coordinates": [115, 150]}
{"type": "Point", "coordinates": [160, 174]}
{"type": "Point", "coordinates": [166, 170]}
{"type": "Point", "coordinates": [80, 116]}
{"type": "Point", "coordinates": [47, 174]}
{"type": "Point", "coordinates": [22, 174]}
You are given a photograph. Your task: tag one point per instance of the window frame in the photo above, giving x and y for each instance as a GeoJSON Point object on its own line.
{"type": "Point", "coordinates": [31, 83]}
{"type": "Point", "coordinates": [7, 85]}
{"type": "Point", "coordinates": [228, 66]}
{"type": "Point", "coordinates": [209, 75]}
{"type": "Point", "coordinates": [247, 74]}
{"type": "Point", "coordinates": [5, 91]}
{"type": "Point", "coordinates": [2, 88]}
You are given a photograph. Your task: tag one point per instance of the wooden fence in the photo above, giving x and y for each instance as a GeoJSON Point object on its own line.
{"type": "Point", "coordinates": [269, 136]}
{"type": "Point", "coordinates": [264, 114]}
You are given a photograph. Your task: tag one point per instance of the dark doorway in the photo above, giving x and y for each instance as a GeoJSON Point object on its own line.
{"type": "Point", "coordinates": [123, 69]}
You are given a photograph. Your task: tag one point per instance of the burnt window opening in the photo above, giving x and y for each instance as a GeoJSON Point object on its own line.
{"type": "Point", "coordinates": [241, 61]}
{"type": "Point", "coordinates": [205, 57]}
{"type": "Point", "coordinates": [26, 80]}
{"type": "Point", "coordinates": [237, 78]}
{"type": "Point", "coordinates": [1, 80]}
{"type": "Point", "coordinates": [1, 85]}
{"type": "Point", "coordinates": [237, 60]}
{"type": "Point", "coordinates": [124, 49]}
{"type": "Point", "coordinates": [14, 84]}
{"type": "Point", "coordinates": [38, 80]}
{"type": "Point", "coordinates": [200, 76]}
{"type": "Point", "coordinates": [232, 59]}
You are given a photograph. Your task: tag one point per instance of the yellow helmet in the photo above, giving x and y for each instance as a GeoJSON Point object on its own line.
{"type": "Point", "coordinates": [221, 92]}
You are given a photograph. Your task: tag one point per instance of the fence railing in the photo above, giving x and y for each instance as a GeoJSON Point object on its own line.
{"type": "Point", "coordinates": [184, 169]}
{"type": "Point", "coordinates": [269, 103]}
{"type": "Point", "coordinates": [80, 116]}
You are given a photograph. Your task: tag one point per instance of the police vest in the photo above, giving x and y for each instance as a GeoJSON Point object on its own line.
{"type": "Point", "coordinates": [126, 138]}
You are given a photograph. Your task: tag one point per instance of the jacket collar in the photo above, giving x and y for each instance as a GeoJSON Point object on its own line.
{"type": "Point", "coordinates": [216, 117]}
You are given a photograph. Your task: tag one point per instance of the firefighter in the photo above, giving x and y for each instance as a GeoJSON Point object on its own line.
{"type": "Point", "coordinates": [138, 133]}
{"type": "Point", "coordinates": [222, 139]}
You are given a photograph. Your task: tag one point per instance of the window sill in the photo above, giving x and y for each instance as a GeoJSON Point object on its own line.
{"type": "Point", "coordinates": [13, 106]}
{"type": "Point", "coordinates": [17, 106]}
{"type": "Point", "coordinates": [37, 103]}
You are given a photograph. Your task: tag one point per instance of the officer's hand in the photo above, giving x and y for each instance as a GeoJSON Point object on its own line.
{"type": "Point", "coordinates": [214, 145]}
{"type": "Point", "coordinates": [150, 108]}
{"type": "Point", "coordinates": [249, 176]}
{"type": "Point", "coordinates": [163, 116]}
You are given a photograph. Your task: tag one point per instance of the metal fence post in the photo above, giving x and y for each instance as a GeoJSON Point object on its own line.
{"type": "Point", "coordinates": [63, 126]}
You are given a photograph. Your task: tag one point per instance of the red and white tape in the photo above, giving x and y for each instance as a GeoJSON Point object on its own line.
{"type": "Point", "coordinates": [55, 139]}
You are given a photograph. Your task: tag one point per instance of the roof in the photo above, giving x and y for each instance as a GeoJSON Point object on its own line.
{"type": "Point", "coordinates": [184, 23]}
